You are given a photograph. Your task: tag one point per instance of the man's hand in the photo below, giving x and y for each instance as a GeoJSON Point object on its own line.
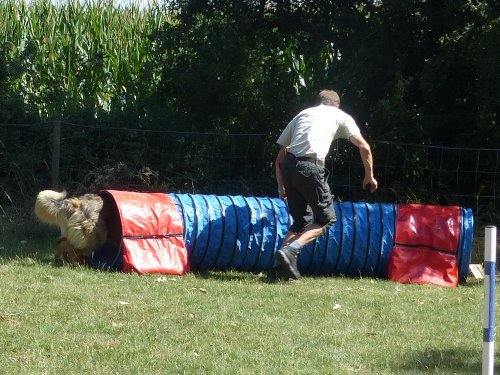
{"type": "Point", "coordinates": [372, 182]}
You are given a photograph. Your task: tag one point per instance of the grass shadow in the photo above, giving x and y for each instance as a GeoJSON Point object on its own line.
{"type": "Point", "coordinates": [455, 361]}
{"type": "Point", "coordinates": [26, 238]}
{"type": "Point", "coordinates": [471, 283]}
{"type": "Point", "coordinates": [226, 275]}
{"type": "Point", "coordinates": [22, 252]}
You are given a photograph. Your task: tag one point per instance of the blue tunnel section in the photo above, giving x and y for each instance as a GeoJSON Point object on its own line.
{"type": "Point", "coordinates": [464, 253]}
{"type": "Point", "coordinates": [223, 232]}
{"type": "Point", "coordinates": [358, 244]}
{"type": "Point", "coordinates": [244, 233]}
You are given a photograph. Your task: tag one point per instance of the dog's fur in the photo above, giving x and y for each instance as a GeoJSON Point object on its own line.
{"type": "Point", "coordinates": [86, 223]}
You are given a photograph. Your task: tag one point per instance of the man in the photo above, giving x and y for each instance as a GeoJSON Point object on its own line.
{"type": "Point", "coordinates": [301, 176]}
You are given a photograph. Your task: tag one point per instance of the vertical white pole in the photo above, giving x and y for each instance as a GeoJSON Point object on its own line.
{"type": "Point", "coordinates": [489, 300]}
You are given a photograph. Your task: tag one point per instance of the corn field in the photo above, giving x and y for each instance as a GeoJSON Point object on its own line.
{"type": "Point", "coordinates": [74, 55]}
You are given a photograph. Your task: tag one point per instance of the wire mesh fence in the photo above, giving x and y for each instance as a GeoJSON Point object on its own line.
{"type": "Point", "coordinates": [412, 173]}
{"type": "Point", "coordinates": [219, 163]}
{"type": "Point", "coordinates": [177, 160]}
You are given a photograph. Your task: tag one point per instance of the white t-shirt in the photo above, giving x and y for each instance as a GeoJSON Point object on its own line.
{"type": "Point", "coordinates": [312, 131]}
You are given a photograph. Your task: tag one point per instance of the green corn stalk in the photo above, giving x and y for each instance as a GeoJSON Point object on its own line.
{"type": "Point", "coordinates": [79, 55]}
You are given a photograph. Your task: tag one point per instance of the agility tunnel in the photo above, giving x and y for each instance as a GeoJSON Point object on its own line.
{"type": "Point", "coordinates": [175, 233]}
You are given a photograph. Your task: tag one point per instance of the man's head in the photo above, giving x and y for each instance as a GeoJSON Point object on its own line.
{"type": "Point", "coordinates": [328, 97]}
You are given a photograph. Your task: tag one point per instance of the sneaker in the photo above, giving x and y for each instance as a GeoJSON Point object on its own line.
{"type": "Point", "coordinates": [287, 259]}
{"type": "Point", "coordinates": [275, 273]}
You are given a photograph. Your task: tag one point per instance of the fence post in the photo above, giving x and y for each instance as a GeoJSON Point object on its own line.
{"type": "Point", "coordinates": [490, 250]}
{"type": "Point", "coordinates": [56, 154]}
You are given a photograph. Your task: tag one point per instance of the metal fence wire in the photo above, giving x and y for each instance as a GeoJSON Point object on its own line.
{"type": "Point", "coordinates": [243, 164]}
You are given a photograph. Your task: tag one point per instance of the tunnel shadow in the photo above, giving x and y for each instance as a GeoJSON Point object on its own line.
{"type": "Point", "coordinates": [229, 275]}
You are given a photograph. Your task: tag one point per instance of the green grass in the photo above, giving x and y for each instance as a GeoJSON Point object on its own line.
{"type": "Point", "coordinates": [82, 321]}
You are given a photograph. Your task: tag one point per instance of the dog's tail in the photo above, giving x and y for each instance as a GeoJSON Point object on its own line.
{"type": "Point", "coordinates": [48, 205]}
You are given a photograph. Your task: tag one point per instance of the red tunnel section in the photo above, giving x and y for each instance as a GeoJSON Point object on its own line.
{"type": "Point", "coordinates": [426, 244]}
{"type": "Point", "coordinates": [152, 239]}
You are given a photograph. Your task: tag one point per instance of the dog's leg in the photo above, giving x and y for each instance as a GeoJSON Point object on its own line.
{"type": "Point", "coordinates": [59, 252]}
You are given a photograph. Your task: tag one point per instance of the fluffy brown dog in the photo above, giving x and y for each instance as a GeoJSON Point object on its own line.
{"type": "Point", "coordinates": [86, 223]}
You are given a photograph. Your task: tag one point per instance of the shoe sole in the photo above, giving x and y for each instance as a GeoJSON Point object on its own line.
{"type": "Point", "coordinates": [272, 275]}
{"type": "Point", "coordinates": [289, 271]}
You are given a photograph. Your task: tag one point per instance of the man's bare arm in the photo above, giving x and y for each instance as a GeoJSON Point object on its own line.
{"type": "Point", "coordinates": [281, 155]}
{"type": "Point", "coordinates": [367, 158]}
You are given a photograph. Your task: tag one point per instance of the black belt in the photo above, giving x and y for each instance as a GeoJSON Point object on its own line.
{"type": "Point", "coordinates": [305, 158]}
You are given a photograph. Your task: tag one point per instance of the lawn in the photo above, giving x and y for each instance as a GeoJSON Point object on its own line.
{"type": "Point", "coordinates": [83, 321]}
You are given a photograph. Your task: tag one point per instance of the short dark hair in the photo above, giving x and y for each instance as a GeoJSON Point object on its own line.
{"type": "Point", "coordinates": [328, 97]}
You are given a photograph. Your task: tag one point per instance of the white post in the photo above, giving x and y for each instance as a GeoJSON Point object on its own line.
{"type": "Point", "coordinates": [489, 300]}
